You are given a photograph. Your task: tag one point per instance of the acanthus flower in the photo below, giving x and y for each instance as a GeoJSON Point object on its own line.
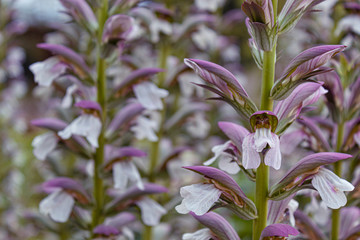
{"type": "Point", "coordinates": [264, 123]}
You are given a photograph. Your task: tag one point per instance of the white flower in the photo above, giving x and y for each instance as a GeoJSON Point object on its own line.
{"type": "Point", "coordinates": [149, 95]}
{"type": "Point", "coordinates": [209, 5]}
{"type": "Point", "coordinates": [58, 205]}
{"type": "Point", "coordinates": [198, 198]}
{"type": "Point", "coordinates": [146, 128]}
{"type": "Point", "coordinates": [254, 143]}
{"type": "Point", "coordinates": [151, 211]}
{"type": "Point", "coordinates": [331, 188]}
{"type": "Point", "coordinates": [124, 171]}
{"type": "Point", "coordinates": [157, 26]}
{"type": "Point", "coordinates": [44, 144]}
{"type": "Point", "coordinates": [85, 125]}
{"type": "Point", "coordinates": [202, 234]}
{"type": "Point", "coordinates": [197, 126]}
{"type": "Point", "coordinates": [226, 161]}
{"type": "Point", "coordinates": [205, 38]}
{"type": "Point", "coordinates": [67, 100]}
{"type": "Point", "coordinates": [47, 71]}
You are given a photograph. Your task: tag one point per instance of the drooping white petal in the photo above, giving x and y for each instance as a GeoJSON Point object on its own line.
{"type": "Point", "coordinates": [209, 5]}
{"type": "Point", "coordinates": [47, 71]}
{"type": "Point", "coordinates": [202, 234]}
{"type": "Point", "coordinates": [273, 155]}
{"type": "Point", "coordinates": [263, 137]}
{"type": "Point", "coordinates": [85, 125]}
{"type": "Point", "coordinates": [145, 128]}
{"type": "Point", "coordinates": [124, 171]}
{"type": "Point", "coordinates": [228, 164]}
{"type": "Point", "coordinates": [67, 100]}
{"type": "Point", "coordinates": [250, 157]}
{"type": "Point", "coordinates": [292, 206]}
{"type": "Point", "coordinates": [44, 144]}
{"type": "Point", "coordinates": [58, 205]}
{"type": "Point", "coordinates": [149, 95]}
{"type": "Point", "coordinates": [331, 187]}
{"type": "Point", "coordinates": [217, 150]}
{"type": "Point", "coordinates": [158, 26]}
{"type": "Point", "coordinates": [151, 211]}
{"type": "Point", "coordinates": [198, 198]}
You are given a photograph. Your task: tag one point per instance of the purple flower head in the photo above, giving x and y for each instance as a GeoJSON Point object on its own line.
{"type": "Point", "coordinates": [354, 100]}
{"type": "Point", "coordinates": [289, 109]}
{"type": "Point", "coordinates": [264, 124]}
{"type": "Point", "coordinates": [259, 11]}
{"type": "Point", "coordinates": [278, 230]}
{"type": "Point", "coordinates": [69, 185]}
{"type": "Point", "coordinates": [117, 28]}
{"type": "Point", "coordinates": [135, 77]}
{"type": "Point", "coordinates": [81, 12]}
{"type": "Point", "coordinates": [307, 226]}
{"type": "Point", "coordinates": [200, 198]}
{"type": "Point", "coordinates": [218, 225]}
{"type": "Point", "coordinates": [88, 105]}
{"type": "Point", "coordinates": [105, 231]}
{"type": "Point", "coordinates": [120, 220]}
{"type": "Point", "coordinates": [53, 124]}
{"type": "Point", "coordinates": [228, 87]}
{"type": "Point", "coordinates": [305, 65]}
{"type": "Point", "coordinates": [309, 168]}
{"type": "Point", "coordinates": [69, 56]}
{"type": "Point", "coordinates": [292, 12]}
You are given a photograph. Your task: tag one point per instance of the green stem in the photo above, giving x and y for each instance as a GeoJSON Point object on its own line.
{"type": "Point", "coordinates": [262, 173]}
{"type": "Point", "coordinates": [335, 228]}
{"type": "Point", "coordinates": [147, 233]}
{"type": "Point", "coordinates": [98, 189]}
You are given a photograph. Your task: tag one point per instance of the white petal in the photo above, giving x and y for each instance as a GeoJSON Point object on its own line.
{"type": "Point", "coordinates": [228, 164]}
{"type": "Point", "coordinates": [58, 205]}
{"type": "Point", "coordinates": [263, 137]}
{"type": "Point", "coordinates": [85, 125]}
{"type": "Point", "coordinates": [149, 95]}
{"type": "Point", "coordinates": [209, 5]}
{"type": "Point", "coordinates": [202, 234]}
{"type": "Point", "coordinates": [330, 188]}
{"type": "Point", "coordinates": [198, 198]}
{"type": "Point", "coordinates": [67, 100]}
{"type": "Point", "coordinates": [273, 155]}
{"type": "Point", "coordinates": [145, 129]}
{"type": "Point", "coordinates": [292, 206]}
{"type": "Point", "coordinates": [47, 71]}
{"type": "Point", "coordinates": [217, 150]}
{"type": "Point", "coordinates": [250, 157]}
{"type": "Point", "coordinates": [124, 171]}
{"type": "Point", "coordinates": [44, 144]}
{"type": "Point", "coordinates": [205, 38]}
{"type": "Point", "coordinates": [151, 211]}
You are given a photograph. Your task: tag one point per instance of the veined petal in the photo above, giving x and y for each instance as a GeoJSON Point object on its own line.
{"type": "Point", "coordinates": [149, 95]}
{"type": "Point", "coordinates": [202, 234]}
{"type": "Point", "coordinates": [262, 138]}
{"type": "Point", "coordinates": [85, 125]}
{"type": "Point", "coordinates": [58, 205]}
{"type": "Point", "coordinates": [331, 187]}
{"type": "Point", "coordinates": [151, 211]}
{"type": "Point", "coordinates": [198, 198]}
{"type": "Point", "coordinates": [250, 158]}
{"type": "Point", "coordinates": [273, 155]}
{"type": "Point", "coordinates": [44, 144]}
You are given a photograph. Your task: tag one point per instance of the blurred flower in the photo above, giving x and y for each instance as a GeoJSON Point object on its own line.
{"type": "Point", "coordinates": [209, 5]}
{"type": "Point", "coordinates": [47, 71]}
{"type": "Point", "coordinates": [202, 234]}
{"type": "Point", "coordinates": [149, 95]}
{"type": "Point", "coordinates": [44, 144]}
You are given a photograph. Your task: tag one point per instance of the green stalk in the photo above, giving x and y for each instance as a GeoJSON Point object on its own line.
{"type": "Point", "coordinates": [98, 189]}
{"type": "Point", "coordinates": [335, 224]}
{"type": "Point", "coordinates": [262, 173]}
